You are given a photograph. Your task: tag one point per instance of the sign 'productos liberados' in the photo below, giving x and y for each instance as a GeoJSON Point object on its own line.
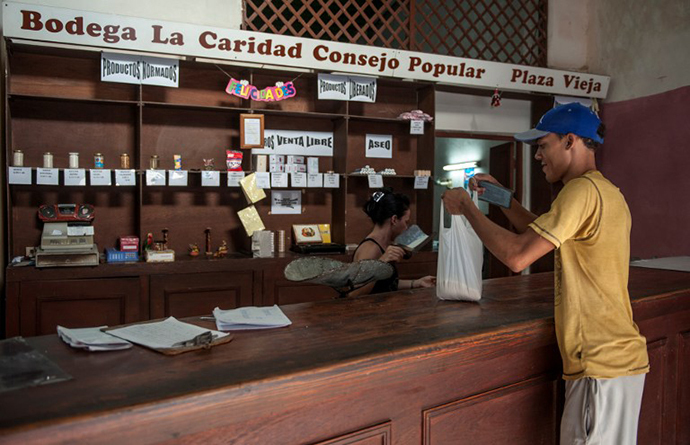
{"type": "Point", "coordinates": [43, 23]}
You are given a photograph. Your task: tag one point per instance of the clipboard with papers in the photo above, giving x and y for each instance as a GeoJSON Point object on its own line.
{"type": "Point", "coordinates": [170, 336]}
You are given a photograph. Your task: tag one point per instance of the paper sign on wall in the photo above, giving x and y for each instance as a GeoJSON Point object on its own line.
{"type": "Point", "coordinates": [145, 70]}
{"type": "Point", "coordinates": [348, 88]}
{"type": "Point", "coordinates": [75, 176]}
{"type": "Point", "coordinates": [177, 177]}
{"type": "Point", "coordinates": [234, 178]}
{"type": "Point", "coordinates": [125, 177]}
{"type": "Point", "coordinates": [375, 181]}
{"type": "Point", "coordinates": [47, 176]}
{"type": "Point", "coordinates": [298, 179]}
{"type": "Point", "coordinates": [155, 177]}
{"type": "Point", "coordinates": [210, 178]}
{"type": "Point", "coordinates": [290, 142]}
{"type": "Point", "coordinates": [378, 146]}
{"type": "Point", "coordinates": [286, 202]}
{"type": "Point", "coordinates": [100, 177]}
{"type": "Point", "coordinates": [20, 175]}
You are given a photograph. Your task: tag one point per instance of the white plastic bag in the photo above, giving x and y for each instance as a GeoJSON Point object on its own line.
{"type": "Point", "coordinates": [460, 259]}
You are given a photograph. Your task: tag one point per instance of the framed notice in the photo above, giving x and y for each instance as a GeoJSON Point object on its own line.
{"type": "Point", "coordinates": [251, 130]}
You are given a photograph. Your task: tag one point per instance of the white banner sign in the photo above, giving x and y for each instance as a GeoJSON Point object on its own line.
{"type": "Point", "coordinates": [45, 23]}
{"type": "Point", "coordinates": [286, 202]}
{"type": "Point", "coordinates": [349, 88]}
{"type": "Point", "coordinates": [378, 146]}
{"type": "Point", "coordinates": [126, 68]}
{"type": "Point", "coordinates": [289, 142]}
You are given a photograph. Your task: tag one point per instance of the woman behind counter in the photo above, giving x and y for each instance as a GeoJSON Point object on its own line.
{"type": "Point", "coordinates": [390, 213]}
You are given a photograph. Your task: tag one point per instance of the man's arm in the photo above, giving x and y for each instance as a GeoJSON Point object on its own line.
{"type": "Point", "coordinates": [515, 250]}
{"type": "Point", "coordinates": [518, 216]}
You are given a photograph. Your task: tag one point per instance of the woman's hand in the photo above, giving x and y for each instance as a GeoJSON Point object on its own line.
{"type": "Point", "coordinates": [427, 281]}
{"type": "Point", "coordinates": [392, 254]}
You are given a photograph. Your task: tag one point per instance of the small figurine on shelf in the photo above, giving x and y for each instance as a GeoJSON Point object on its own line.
{"type": "Point", "coordinates": [193, 250]}
{"type": "Point", "coordinates": [209, 164]}
{"type": "Point", "coordinates": [165, 239]}
{"type": "Point", "coordinates": [222, 250]}
{"type": "Point", "coordinates": [208, 241]}
{"type": "Point", "coordinates": [148, 244]}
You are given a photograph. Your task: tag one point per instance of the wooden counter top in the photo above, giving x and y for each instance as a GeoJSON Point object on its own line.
{"type": "Point", "coordinates": [339, 339]}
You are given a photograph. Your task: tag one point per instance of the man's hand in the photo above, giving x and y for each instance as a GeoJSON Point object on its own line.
{"type": "Point", "coordinates": [457, 201]}
{"type": "Point", "coordinates": [474, 182]}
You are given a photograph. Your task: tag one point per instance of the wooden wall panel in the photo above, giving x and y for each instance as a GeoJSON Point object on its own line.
{"type": "Point", "coordinates": [524, 413]}
{"type": "Point", "coordinates": [683, 385]}
{"type": "Point", "coordinates": [650, 430]}
{"type": "Point", "coordinates": [188, 295]}
{"type": "Point", "coordinates": [77, 304]}
{"type": "Point", "coordinates": [375, 435]}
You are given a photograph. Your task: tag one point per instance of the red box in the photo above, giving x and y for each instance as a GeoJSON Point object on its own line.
{"type": "Point", "coordinates": [129, 243]}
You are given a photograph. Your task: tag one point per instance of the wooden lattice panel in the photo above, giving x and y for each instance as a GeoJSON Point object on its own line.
{"type": "Point", "coordinates": [378, 23]}
{"type": "Point", "coordinates": [510, 31]}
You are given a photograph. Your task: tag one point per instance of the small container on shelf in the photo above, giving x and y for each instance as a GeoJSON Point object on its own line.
{"type": "Point", "coordinates": [74, 160]}
{"type": "Point", "coordinates": [153, 162]}
{"type": "Point", "coordinates": [47, 160]}
{"type": "Point", "coordinates": [124, 161]}
{"type": "Point", "coordinates": [98, 160]}
{"type": "Point", "coordinates": [18, 158]}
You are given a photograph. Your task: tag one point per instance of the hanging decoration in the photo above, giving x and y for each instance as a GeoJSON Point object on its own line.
{"type": "Point", "coordinates": [496, 99]}
{"type": "Point", "coordinates": [244, 90]}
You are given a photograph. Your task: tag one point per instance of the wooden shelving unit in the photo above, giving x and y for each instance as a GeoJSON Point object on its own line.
{"type": "Point", "coordinates": [56, 103]}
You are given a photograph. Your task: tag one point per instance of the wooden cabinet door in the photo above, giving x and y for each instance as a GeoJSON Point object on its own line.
{"type": "Point", "coordinates": [189, 295]}
{"type": "Point", "coordinates": [77, 303]}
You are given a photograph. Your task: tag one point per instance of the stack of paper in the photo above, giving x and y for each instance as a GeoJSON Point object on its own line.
{"type": "Point", "coordinates": [166, 334]}
{"type": "Point", "coordinates": [250, 317]}
{"type": "Point", "coordinates": [92, 339]}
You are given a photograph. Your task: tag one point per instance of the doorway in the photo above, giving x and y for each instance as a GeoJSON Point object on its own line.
{"type": "Point", "coordinates": [466, 154]}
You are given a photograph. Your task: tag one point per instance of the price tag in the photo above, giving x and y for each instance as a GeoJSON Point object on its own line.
{"type": "Point", "coordinates": [234, 178]}
{"type": "Point", "coordinates": [315, 180]}
{"type": "Point", "coordinates": [155, 177]}
{"type": "Point", "coordinates": [177, 178]}
{"type": "Point", "coordinates": [375, 181]}
{"type": "Point", "coordinates": [263, 180]}
{"type": "Point", "coordinates": [416, 127]}
{"type": "Point", "coordinates": [421, 182]}
{"type": "Point", "coordinates": [210, 178]}
{"type": "Point", "coordinates": [100, 176]}
{"type": "Point", "coordinates": [331, 180]}
{"type": "Point", "coordinates": [47, 176]}
{"type": "Point", "coordinates": [125, 177]}
{"type": "Point", "coordinates": [279, 179]}
{"type": "Point", "coordinates": [20, 175]}
{"type": "Point", "coordinates": [299, 179]}
{"type": "Point", "coordinates": [75, 176]}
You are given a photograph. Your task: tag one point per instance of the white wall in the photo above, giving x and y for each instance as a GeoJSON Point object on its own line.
{"type": "Point", "coordinates": [567, 44]}
{"type": "Point", "coordinates": [474, 114]}
{"type": "Point", "coordinates": [643, 45]}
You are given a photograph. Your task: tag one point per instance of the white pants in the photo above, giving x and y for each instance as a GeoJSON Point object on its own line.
{"type": "Point", "coordinates": [602, 411]}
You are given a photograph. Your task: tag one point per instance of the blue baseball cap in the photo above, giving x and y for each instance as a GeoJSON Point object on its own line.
{"type": "Point", "coordinates": [572, 118]}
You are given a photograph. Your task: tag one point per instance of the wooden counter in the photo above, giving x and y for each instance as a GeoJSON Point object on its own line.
{"type": "Point", "coordinates": [401, 368]}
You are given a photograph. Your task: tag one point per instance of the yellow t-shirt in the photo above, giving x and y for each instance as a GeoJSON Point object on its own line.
{"type": "Point", "coordinates": [589, 223]}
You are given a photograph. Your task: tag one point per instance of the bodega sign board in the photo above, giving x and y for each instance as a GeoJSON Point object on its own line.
{"type": "Point", "coordinates": [49, 24]}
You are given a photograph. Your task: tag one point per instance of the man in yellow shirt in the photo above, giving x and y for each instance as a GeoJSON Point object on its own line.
{"type": "Point", "coordinates": [604, 356]}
